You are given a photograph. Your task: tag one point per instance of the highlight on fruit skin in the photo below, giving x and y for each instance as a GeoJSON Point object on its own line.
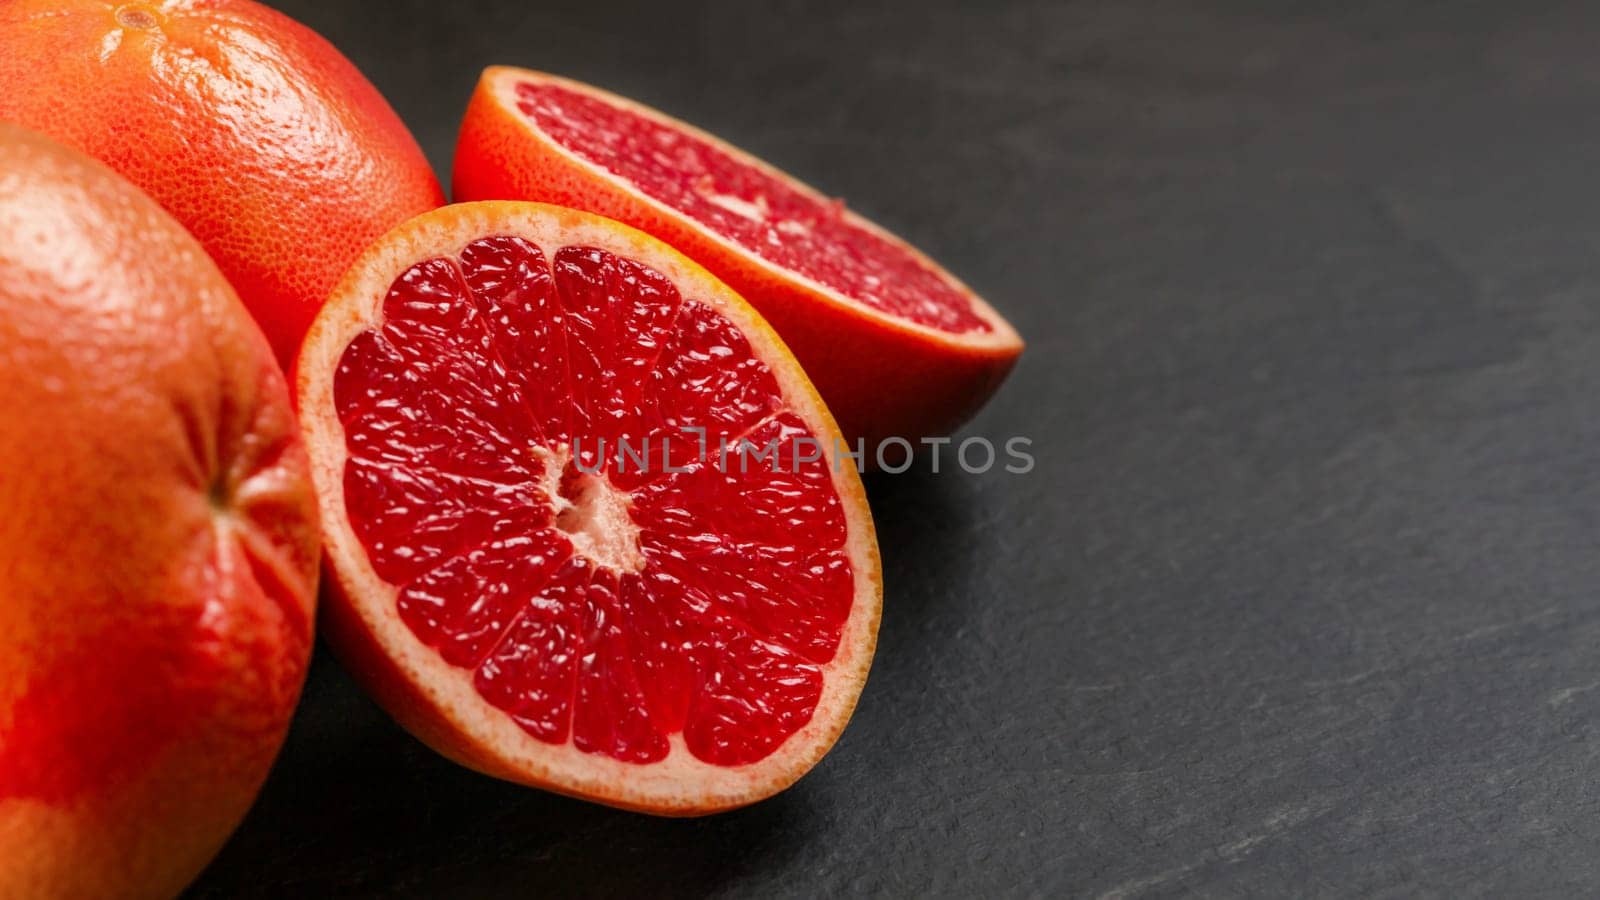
{"type": "Point", "coordinates": [158, 548]}
{"type": "Point", "coordinates": [897, 346]}
{"type": "Point", "coordinates": [249, 128]}
{"type": "Point", "coordinates": [676, 637]}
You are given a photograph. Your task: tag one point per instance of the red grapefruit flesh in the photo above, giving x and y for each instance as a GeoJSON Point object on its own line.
{"type": "Point", "coordinates": [896, 345]}
{"type": "Point", "coordinates": [537, 566]}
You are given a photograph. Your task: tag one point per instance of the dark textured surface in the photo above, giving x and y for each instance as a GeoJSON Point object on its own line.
{"type": "Point", "coordinates": [1302, 596]}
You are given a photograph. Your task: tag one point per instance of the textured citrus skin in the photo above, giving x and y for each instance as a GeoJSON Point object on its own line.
{"type": "Point", "coordinates": [881, 376]}
{"type": "Point", "coordinates": [434, 700]}
{"type": "Point", "coordinates": [158, 540]}
{"type": "Point", "coordinates": [264, 141]}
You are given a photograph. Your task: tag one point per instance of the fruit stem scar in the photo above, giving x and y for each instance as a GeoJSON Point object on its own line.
{"type": "Point", "coordinates": [137, 15]}
{"type": "Point", "coordinates": [217, 495]}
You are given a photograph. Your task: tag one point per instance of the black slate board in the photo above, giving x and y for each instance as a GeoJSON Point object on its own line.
{"type": "Point", "coordinates": [1302, 594]}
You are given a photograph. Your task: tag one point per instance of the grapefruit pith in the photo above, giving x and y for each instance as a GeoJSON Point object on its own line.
{"type": "Point", "coordinates": [158, 548]}
{"type": "Point", "coordinates": [585, 521]}
{"type": "Point", "coordinates": [253, 131]}
{"type": "Point", "coordinates": [897, 346]}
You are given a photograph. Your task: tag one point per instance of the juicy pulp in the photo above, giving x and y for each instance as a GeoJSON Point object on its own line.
{"type": "Point", "coordinates": [761, 212]}
{"type": "Point", "coordinates": [594, 600]}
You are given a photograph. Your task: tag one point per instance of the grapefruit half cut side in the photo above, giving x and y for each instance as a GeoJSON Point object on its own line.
{"type": "Point", "coordinates": [894, 343]}
{"type": "Point", "coordinates": [585, 520]}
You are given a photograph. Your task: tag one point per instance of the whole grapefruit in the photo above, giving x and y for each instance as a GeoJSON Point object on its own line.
{"type": "Point", "coordinates": [158, 543]}
{"type": "Point", "coordinates": [258, 135]}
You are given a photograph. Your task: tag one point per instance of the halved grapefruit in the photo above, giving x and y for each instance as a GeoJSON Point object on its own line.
{"type": "Point", "coordinates": [585, 521]}
{"type": "Point", "coordinates": [896, 345]}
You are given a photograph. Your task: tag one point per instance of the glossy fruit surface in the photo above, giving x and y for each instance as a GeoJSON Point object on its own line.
{"type": "Point", "coordinates": [158, 545]}
{"type": "Point", "coordinates": [552, 556]}
{"type": "Point", "coordinates": [896, 345]}
{"type": "Point", "coordinates": [254, 132]}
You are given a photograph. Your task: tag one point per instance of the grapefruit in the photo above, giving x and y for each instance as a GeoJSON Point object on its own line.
{"type": "Point", "coordinates": [158, 546]}
{"type": "Point", "coordinates": [264, 141]}
{"type": "Point", "coordinates": [584, 518]}
{"type": "Point", "coordinates": [896, 345]}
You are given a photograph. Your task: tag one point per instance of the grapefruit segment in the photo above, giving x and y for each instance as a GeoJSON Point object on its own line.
{"type": "Point", "coordinates": [585, 521]}
{"type": "Point", "coordinates": [897, 345]}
